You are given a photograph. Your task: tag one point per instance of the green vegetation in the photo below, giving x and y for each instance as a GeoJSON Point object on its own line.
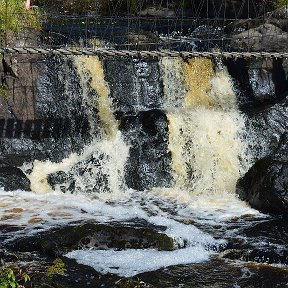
{"type": "Point", "coordinates": [58, 267]}
{"type": "Point", "coordinates": [14, 17]}
{"type": "Point", "coordinates": [11, 276]}
{"type": "Point", "coordinates": [134, 6]}
{"type": "Point", "coordinates": [280, 3]}
{"type": "Point", "coordinates": [3, 93]}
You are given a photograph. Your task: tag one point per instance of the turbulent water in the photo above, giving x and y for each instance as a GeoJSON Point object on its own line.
{"type": "Point", "coordinates": [208, 145]}
{"type": "Point", "coordinates": [100, 166]}
{"type": "Point", "coordinates": [205, 130]}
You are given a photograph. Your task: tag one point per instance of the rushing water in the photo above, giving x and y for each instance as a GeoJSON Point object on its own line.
{"type": "Point", "coordinates": [208, 144]}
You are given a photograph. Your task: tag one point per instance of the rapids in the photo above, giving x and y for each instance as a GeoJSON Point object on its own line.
{"type": "Point", "coordinates": [208, 150]}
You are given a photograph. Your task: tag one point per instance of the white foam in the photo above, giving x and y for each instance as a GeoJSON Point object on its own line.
{"type": "Point", "coordinates": [129, 263]}
{"type": "Point", "coordinates": [57, 209]}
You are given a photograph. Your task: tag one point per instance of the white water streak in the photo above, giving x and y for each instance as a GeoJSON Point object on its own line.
{"type": "Point", "coordinates": [205, 132]}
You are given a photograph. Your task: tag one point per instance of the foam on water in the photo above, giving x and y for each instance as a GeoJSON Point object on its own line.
{"type": "Point", "coordinates": [208, 156]}
{"type": "Point", "coordinates": [102, 157]}
{"type": "Point", "coordinates": [38, 212]}
{"type": "Point", "coordinates": [128, 263]}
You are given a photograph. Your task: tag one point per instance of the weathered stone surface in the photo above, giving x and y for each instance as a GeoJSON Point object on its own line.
{"type": "Point", "coordinates": [12, 178]}
{"type": "Point", "coordinates": [267, 124]}
{"type": "Point", "coordinates": [266, 37]}
{"type": "Point", "coordinates": [135, 84]}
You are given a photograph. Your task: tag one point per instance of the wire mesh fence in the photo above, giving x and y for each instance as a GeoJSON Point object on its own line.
{"type": "Point", "coordinates": [136, 25]}
{"type": "Point", "coordinates": [47, 30]}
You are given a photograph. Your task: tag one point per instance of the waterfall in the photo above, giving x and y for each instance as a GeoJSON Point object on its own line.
{"type": "Point", "coordinates": [204, 136]}
{"type": "Point", "coordinates": [205, 130]}
{"type": "Point", "coordinates": [92, 76]}
{"type": "Point", "coordinates": [100, 166]}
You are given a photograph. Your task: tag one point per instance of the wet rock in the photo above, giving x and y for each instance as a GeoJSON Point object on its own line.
{"type": "Point", "coordinates": [13, 178]}
{"type": "Point", "coordinates": [266, 37]}
{"type": "Point", "coordinates": [268, 126]}
{"type": "Point", "coordinates": [224, 275]}
{"type": "Point", "coordinates": [96, 236]}
{"type": "Point", "coordinates": [267, 79]}
{"type": "Point", "coordinates": [136, 84]}
{"type": "Point", "coordinates": [235, 254]}
{"type": "Point", "coordinates": [259, 81]}
{"type": "Point", "coordinates": [39, 268]}
{"type": "Point", "coordinates": [149, 162]}
{"type": "Point", "coordinates": [256, 255]}
{"type": "Point", "coordinates": [265, 185]}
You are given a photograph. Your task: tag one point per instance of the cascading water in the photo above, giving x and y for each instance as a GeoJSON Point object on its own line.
{"type": "Point", "coordinates": [205, 128]}
{"type": "Point", "coordinates": [195, 131]}
{"type": "Point", "coordinates": [100, 166]}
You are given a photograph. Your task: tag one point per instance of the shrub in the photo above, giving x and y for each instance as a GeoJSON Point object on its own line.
{"type": "Point", "coordinates": [10, 276]}
{"type": "Point", "coordinates": [280, 3]}
{"type": "Point", "coordinates": [14, 17]}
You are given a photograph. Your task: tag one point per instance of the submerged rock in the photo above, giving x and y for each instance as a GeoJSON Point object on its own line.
{"type": "Point", "coordinates": [96, 236]}
{"type": "Point", "coordinates": [256, 255]}
{"type": "Point", "coordinates": [13, 178]}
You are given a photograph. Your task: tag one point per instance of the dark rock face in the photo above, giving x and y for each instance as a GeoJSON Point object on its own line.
{"type": "Point", "coordinates": [259, 81]}
{"type": "Point", "coordinates": [269, 124]}
{"type": "Point", "coordinates": [138, 97]}
{"type": "Point", "coordinates": [12, 178]}
{"type": "Point", "coordinates": [265, 185]}
{"type": "Point", "coordinates": [135, 84]}
{"type": "Point", "coordinates": [96, 236]}
{"type": "Point", "coordinates": [149, 161]}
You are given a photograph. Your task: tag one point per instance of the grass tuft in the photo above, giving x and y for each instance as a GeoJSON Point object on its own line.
{"type": "Point", "coordinates": [14, 17]}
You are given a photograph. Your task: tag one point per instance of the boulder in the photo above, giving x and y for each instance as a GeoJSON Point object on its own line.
{"type": "Point", "coordinates": [266, 37]}
{"type": "Point", "coordinates": [13, 178]}
{"type": "Point", "coordinates": [149, 161]}
{"type": "Point", "coordinates": [94, 236]}
{"type": "Point", "coordinates": [267, 124]}
{"type": "Point", "coordinates": [157, 12]}
{"type": "Point", "coordinates": [265, 185]}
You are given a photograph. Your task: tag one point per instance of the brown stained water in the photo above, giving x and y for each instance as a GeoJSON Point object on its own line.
{"type": "Point", "coordinates": [198, 74]}
{"type": "Point", "coordinates": [220, 240]}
